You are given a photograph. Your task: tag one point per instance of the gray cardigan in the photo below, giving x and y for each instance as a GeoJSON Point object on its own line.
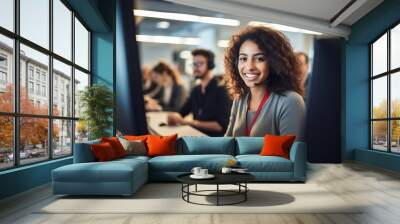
{"type": "Point", "coordinates": [281, 115]}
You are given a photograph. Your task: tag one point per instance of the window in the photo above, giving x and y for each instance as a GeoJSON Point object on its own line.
{"type": "Point", "coordinates": [6, 73]}
{"type": "Point", "coordinates": [3, 78]}
{"type": "Point", "coordinates": [38, 89]}
{"type": "Point", "coordinates": [35, 22]}
{"type": "Point", "coordinates": [385, 94]}
{"type": "Point", "coordinates": [3, 61]}
{"type": "Point", "coordinates": [44, 91]}
{"type": "Point", "coordinates": [7, 14]}
{"type": "Point", "coordinates": [62, 29]}
{"type": "Point", "coordinates": [62, 74]}
{"type": "Point", "coordinates": [81, 45]}
{"type": "Point", "coordinates": [37, 75]}
{"type": "Point", "coordinates": [30, 72]}
{"type": "Point", "coordinates": [54, 126]}
{"type": "Point", "coordinates": [30, 87]}
{"type": "Point", "coordinates": [6, 142]}
{"type": "Point", "coordinates": [62, 140]}
{"type": "Point", "coordinates": [81, 81]}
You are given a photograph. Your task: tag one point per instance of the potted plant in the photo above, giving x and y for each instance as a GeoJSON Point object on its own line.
{"type": "Point", "coordinates": [97, 103]}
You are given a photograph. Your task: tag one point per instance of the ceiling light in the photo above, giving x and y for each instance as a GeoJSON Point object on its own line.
{"type": "Point", "coordinates": [283, 27]}
{"type": "Point", "coordinates": [163, 25]}
{"type": "Point", "coordinates": [168, 39]}
{"type": "Point", "coordinates": [185, 54]}
{"type": "Point", "coordinates": [186, 17]}
{"type": "Point", "coordinates": [223, 43]}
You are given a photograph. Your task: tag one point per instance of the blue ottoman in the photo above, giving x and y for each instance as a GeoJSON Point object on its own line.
{"type": "Point", "coordinates": [118, 177]}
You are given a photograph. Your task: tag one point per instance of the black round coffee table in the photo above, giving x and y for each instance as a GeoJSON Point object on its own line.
{"type": "Point", "coordinates": [238, 179]}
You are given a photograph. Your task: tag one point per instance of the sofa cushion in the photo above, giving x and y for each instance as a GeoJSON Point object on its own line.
{"type": "Point", "coordinates": [206, 145]}
{"type": "Point", "coordinates": [185, 163]}
{"type": "Point", "coordinates": [277, 145]}
{"type": "Point", "coordinates": [249, 145]}
{"type": "Point", "coordinates": [116, 145]}
{"type": "Point", "coordinates": [134, 147]}
{"type": "Point", "coordinates": [83, 152]}
{"type": "Point", "coordinates": [112, 171]}
{"type": "Point", "coordinates": [103, 152]}
{"type": "Point", "coordinates": [132, 158]}
{"type": "Point", "coordinates": [257, 163]}
{"type": "Point", "coordinates": [161, 145]}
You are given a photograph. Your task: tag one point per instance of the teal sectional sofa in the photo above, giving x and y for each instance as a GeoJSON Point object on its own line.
{"type": "Point", "coordinates": [125, 176]}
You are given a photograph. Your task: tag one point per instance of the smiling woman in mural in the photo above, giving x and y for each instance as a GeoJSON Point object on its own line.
{"type": "Point", "coordinates": [262, 76]}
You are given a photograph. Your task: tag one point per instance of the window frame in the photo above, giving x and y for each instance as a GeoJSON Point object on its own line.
{"type": "Point", "coordinates": [16, 114]}
{"type": "Point", "coordinates": [388, 74]}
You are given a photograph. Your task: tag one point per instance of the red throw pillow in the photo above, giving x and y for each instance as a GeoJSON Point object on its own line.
{"type": "Point", "coordinates": [116, 145]}
{"type": "Point", "coordinates": [161, 145]}
{"type": "Point", "coordinates": [103, 152]}
{"type": "Point", "coordinates": [277, 145]}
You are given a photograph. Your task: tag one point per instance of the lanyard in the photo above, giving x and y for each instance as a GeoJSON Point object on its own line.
{"type": "Point", "coordinates": [263, 101]}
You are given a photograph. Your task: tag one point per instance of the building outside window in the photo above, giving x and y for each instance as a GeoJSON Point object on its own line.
{"type": "Point", "coordinates": [43, 90]}
{"type": "Point", "coordinates": [30, 87]}
{"type": "Point", "coordinates": [30, 72]}
{"type": "Point", "coordinates": [3, 60]}
{"type": "Point", "coordinates": [38, 89]}
{"type": "Point", "coordinates": [3, 78]}
{"type": "Point", "coordinates": [34, 82]}
{"type": "Point", "coordinates": [37, 75]}
{"type": "Point", "coordinates": [44, 77]}
{"type": "Point", "coordinates": [385, 91]}
{"type": "Point", "coordinates": [3, 72]}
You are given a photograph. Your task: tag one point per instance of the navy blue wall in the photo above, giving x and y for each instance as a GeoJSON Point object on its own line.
{"type": "Point", "coordinates": [130, 114]}
{"type": "Point", "coordinates": [324, 102]}
{"type": "Point", "coordinates": [356, 105]}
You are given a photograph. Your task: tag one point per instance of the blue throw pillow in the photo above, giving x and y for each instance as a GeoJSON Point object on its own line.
{"type": "Point", "coordinates": [207, 145]}
{"type": "Point", "coordinates": [249, 145]}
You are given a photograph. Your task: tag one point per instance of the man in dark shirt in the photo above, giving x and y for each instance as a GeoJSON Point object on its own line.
{"type": "Point", "coordinates": [208, 102]}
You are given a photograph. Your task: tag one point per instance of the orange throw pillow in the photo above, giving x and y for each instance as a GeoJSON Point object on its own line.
{"type": "Point", "coordinates": [103, 152]}
{"type": "Point", "coordinates": [161, 145]}
{"type": "Point", "coordinates": [116, 145]}
{"type": "Point", "coordinates": [277, 145]}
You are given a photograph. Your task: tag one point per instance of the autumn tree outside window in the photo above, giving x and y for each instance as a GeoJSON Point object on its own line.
{"type": "Point", "coordinates": [385, 91]}
{"type": "Point", "coordinates": [44, 64]}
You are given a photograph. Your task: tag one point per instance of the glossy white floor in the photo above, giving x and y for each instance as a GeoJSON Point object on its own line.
{"type": "Point", "coordinates": [377, 188]}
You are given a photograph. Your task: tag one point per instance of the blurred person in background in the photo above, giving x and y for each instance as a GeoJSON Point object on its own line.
{"type": "Point", "coordinates": [150, 86]}
{"type": "Point", "coordinates": [172, 94]}
{"type": "Point", "coordinates": [303, 60]}
{"type": "Point", "coordinates": [208, 102]}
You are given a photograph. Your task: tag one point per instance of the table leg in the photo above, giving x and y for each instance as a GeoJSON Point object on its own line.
{"type": "Point", "coordinates": [196, 188]}
{"type": "Point", "coordinates": [217, 194]}
{"type": "Point", "coordinates": [188, 189]}
{"type": "Point", "coordinates": [182, 189]}
{"type": "Point", "coordinates": [245, 193]}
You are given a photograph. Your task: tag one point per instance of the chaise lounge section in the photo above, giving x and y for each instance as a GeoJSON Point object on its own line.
{"type": "Point", "coordinates": [125, 176]}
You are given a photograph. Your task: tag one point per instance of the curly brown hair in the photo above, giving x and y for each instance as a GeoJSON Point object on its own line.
{"type": "Point", "coordinates": [284, 70]}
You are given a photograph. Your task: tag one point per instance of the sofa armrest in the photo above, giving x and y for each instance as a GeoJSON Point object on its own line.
{"type": "Point", "coordinates": [298, 155]}
{"type": "Point", "coordinates": [83, 152]}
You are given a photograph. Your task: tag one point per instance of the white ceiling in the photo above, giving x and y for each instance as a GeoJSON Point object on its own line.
{"type": "Point", "coordinates": [321, 9]}
{"type": "Point", "coordinates": [315, 15]}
